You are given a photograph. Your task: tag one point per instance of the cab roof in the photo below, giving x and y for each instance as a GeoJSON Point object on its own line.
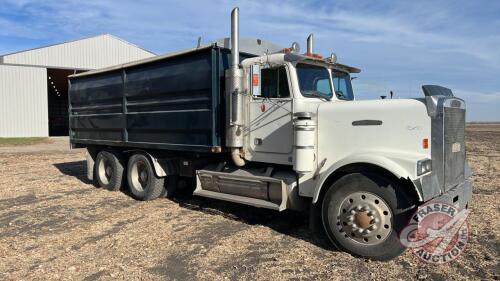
{"type": "Point", "coordinates": [292, 57]}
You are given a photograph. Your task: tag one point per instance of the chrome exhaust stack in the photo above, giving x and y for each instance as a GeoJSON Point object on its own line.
{"type": "Point", "coordinates": [310, 44]}
{"type": "Point", "coordinates": [235, 38]}
{"type": "Point", "coordinates": [234, 101]}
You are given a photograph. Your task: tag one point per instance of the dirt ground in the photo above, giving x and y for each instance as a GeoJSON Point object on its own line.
{"type": "Point", "coordinates": [54, 224]}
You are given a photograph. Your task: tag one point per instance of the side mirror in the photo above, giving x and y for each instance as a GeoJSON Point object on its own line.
{"type": "Point", "coordinates": [255, 77]}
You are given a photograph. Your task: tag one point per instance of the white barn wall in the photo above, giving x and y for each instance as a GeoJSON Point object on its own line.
{"type": "Point", "coordinates": [23, 101]}
{"type": "Point", "coordinates": [89, 53]}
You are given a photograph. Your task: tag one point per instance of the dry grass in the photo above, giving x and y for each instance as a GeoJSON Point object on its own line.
{"type": "Point", "coordinates": [54, 224]}
{"type": "Point", "coordinates": [21, 141]}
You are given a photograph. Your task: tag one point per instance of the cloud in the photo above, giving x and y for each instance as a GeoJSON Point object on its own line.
{"type": "Point", "coordinates": [399, 44]}
{"type": "Point", "coordinates": [478, 96]}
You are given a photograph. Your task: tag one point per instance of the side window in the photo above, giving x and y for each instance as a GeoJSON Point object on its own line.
{"type": "Point", "coordinates": [274, 83]}
{"type": "Point", "coordinates": [340, 85]}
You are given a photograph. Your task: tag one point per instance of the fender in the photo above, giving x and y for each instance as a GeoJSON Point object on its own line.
{"type": "Point", "coordinates": [401, 165]}
{"type": "Point", "coordinates": [162, 166]}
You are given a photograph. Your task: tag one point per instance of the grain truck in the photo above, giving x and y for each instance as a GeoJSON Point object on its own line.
{"type": "Point", "coordinates": [249, 122]}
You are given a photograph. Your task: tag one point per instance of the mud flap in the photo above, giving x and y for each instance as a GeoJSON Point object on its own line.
{"type": "Point", "coordinates": [90, 166]}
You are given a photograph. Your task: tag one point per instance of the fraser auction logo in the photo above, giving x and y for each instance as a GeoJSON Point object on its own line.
{"type": "Point", "coordinates": [437, 233]}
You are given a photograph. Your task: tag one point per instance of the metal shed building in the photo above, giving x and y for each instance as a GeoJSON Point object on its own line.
{"type": "Point", "coordinates": [33, 83]}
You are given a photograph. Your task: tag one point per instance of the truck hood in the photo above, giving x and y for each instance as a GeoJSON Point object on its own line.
{"type": "Point", "coordinates": [373, 126]}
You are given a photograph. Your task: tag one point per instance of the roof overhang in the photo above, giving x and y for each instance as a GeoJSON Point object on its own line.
{"type": "Point", "coordinates": [292, 57]}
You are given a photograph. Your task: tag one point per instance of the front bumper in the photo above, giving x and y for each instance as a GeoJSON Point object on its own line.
{"type": "Point", "coordinates": [459, 196]}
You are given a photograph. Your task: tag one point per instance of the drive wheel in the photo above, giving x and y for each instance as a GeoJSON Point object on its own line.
{"type": "Point", "coordinates": [143, 183]}
{"type": "Point", "coordinates": [109, 170]}
{"type": "Point", "coordinates": [363, 214]}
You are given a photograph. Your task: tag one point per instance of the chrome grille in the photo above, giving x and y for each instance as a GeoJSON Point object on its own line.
{"type": "Point", "coordinates": [453, 146]}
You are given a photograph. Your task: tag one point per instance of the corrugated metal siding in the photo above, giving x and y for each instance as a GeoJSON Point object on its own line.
{"type": "Point", "coordinates": [23, 101]}
{"type": "Point", "coordinates": [90, 53]}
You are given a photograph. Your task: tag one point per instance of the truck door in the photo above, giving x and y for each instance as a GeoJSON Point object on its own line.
{"type": "Point", "coordinates": [271, 128]}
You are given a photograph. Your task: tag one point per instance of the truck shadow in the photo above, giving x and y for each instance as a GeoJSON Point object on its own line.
{"type": "Point", "coordinates": [292, 223]}
{"type": "Point", "coordinates": [75, 169]}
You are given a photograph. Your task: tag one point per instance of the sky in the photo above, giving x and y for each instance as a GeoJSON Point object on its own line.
{"type": "Point", "coordinates": [399, 45]}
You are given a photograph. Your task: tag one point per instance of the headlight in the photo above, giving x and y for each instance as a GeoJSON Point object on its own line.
{"type": "Point", "coordinates": [424, 166]}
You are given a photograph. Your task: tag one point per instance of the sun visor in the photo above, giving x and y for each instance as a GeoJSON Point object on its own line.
{"type": "Point", "coordinates": [435, 90]}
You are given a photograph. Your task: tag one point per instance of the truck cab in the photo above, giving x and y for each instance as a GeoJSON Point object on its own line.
{"type": "Point", "coordinates": [358, 166]}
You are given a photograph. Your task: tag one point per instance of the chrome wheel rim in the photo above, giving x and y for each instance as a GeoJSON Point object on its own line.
{"type": "Point", "coordinates": [105, 171]}
{"type": "Point", "coordinates": [365, 218]}
{"type": "Point", "coordinates": [139, 175]}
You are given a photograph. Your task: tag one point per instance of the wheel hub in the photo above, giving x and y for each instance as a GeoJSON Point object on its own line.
{"type": "Point", "coordinates": [143, 177]}
{"type": "Point", "coordinates": [108, 171]}
{"type": "Point", "coordinates": [365, 218]}
{"type": "Point", "coordinates": [139, 175]}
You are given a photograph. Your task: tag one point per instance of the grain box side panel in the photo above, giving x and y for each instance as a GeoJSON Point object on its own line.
{"type": "Point", "coordinates": [170, 101]}
{"type": "Point", "coordinates": [96, 107]}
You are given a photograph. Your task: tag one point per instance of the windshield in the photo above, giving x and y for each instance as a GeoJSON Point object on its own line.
{"type": "Point", "coordinates": [314, 81]}
{"type": "Point", "coordinates": [342, 86]}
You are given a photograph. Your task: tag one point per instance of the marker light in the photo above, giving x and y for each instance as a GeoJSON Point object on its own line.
{"type": "Point", "coordinates": [255, 80]}
{"type": "Point", "coordinates": [314, 55]}
{"type": "Point", "coordinates": [425, 143]}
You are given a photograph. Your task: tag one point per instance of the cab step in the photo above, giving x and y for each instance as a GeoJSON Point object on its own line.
{"type": "Point", "coordinates": [254, 187]}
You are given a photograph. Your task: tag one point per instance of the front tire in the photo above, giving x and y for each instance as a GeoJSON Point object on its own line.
{"type": "Point", "coordinates": [363, 214]}
{"type": "Point", "coordinates": [143, 183]}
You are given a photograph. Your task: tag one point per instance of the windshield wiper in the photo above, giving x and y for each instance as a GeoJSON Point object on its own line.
{"type": "Point", "coordinates": [340, 95]}
{"type": "Point", "coordinates": [316, 94]}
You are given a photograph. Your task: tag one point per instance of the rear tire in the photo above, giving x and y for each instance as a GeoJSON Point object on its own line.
{"type": "Point", "coordinates": [363, 214]}
{"type": "Point", "coordinates": [143, 183]}
{"type": "Point", "coordinates": [109, 170]}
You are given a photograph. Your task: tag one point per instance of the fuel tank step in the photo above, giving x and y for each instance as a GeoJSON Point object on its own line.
{"type": "Point", "coordinates": [254, 187]}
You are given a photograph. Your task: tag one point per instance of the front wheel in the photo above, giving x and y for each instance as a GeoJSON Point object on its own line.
{"type": "Point", "coordinates": [363, 214]}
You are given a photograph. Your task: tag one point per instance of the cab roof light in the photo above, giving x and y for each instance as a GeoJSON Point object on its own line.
{"type": "Point", "coordinates": [313, 55]}
{"type": "Point", "coordinates": [295, 48]}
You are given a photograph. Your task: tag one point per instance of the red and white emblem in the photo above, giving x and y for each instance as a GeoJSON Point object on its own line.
{"type": "Point", "coordinates": [437, 233]}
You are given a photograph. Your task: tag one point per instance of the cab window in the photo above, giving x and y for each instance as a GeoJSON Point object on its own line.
{"type": "Point", "coordinates": [274, 83]}
{"type": "Point", "coordinates": [314, 81]}
{"type": "Point", "coordinates": [343, 86]}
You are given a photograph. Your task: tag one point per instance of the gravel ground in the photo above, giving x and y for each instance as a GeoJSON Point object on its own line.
{"type": "Point", "coordinates": [54, 224]}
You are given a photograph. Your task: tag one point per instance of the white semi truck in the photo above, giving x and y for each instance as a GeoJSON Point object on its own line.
{"type": "Point", "coordinates": [249, 122]}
